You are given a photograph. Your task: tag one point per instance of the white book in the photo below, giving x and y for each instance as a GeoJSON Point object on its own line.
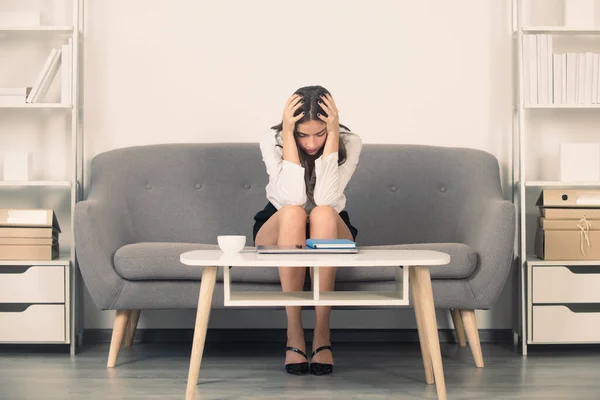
{"type": "Point", "coordinates": [38, 81]}
{"type": "Point", "coordinates": [598, 83]}
{"type": "Point", "coordinates": [8, 99]}
{"type": "Point", "coordinates": [580, 78]}
{"type": "Point", "coordinates": [572, 69]}
{"type": "Point", "coordinates": [533, 69]}
{"type": "Point", "coordinates": [595, 72]}
{"type": "Point", "coordinates": [543, 97]}
{"type": "Point", "coordinates": [549, 64]}
{"type": "Point", "coordinates": [589, 69]}
{"type": "Point", "coordinates": [563, 59]}
{"type": "Point", "coordinates": [526, 67]}
{"type": "Point", "coordinates": [66, 71]}
{"type": "Point", "coordinates": [14, 91]}
{"type": "Point", "coordinates": [557, 78]}
{"type": "Point", "coordinates": [48, 78]}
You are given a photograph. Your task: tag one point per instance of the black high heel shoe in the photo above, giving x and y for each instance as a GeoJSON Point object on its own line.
{"type": "Point", "coordinates": [318, 368]}
{"type": "Point", "coordinates": [297, 368]}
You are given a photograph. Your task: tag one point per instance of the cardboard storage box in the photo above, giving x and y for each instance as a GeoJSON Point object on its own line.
{"type": "Point", "coordinates": [28, 234]}
{"type": "Point", "coordinates": [569, 226]}
{"type": "Point", "coordinates": [557, 245]}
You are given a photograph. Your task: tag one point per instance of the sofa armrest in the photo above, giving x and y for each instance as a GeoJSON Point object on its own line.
{"type": "Point", "coordinates": [490, 231]}
{"type": "Point", "coordinates": [101, 228]}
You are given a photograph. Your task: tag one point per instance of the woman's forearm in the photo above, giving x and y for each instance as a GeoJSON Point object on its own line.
{"type": "Point", "coordinates": [332, 144]}
{"type": "Point", "coordinates": [290, 149]}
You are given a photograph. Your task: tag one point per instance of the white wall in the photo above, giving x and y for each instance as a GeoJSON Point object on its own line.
{"type": "Point", "coordinates": [429, 72]}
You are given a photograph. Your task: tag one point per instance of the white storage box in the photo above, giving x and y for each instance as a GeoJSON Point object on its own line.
{"type": "Point", "coordinates": [580, 162]}
{"type": "Point", "coordinates": [17, 166]}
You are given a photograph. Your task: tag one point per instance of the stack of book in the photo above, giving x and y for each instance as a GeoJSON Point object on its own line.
{"type": "Point", "coordinates": [28, 234]}
{"type": "Point", "coordinates": [57, 59]}
{"type": "Point", "coordinates": [569, 225]}
{"type": "Point", "coordinates": [558, 78]}
{"type": "Point", "coordinates": [14, 95]}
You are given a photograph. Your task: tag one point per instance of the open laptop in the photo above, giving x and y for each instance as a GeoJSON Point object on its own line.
{"type": "Point", "coordinates": [301, 249]}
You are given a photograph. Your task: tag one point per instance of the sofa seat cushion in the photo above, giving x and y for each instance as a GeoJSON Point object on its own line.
{"type": "Point", "coordinates": [157, 261]}
{"type": "Point", "coordinates": [463, 261]}
{"type": "Point", "coordinates": [160, 261]}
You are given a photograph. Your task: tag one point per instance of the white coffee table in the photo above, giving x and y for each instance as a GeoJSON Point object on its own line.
{"type": "Point", "coordinates": [412, 270]}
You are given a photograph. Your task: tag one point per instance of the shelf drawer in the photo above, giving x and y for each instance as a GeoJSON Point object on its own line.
{"type": "Point", "coordinates": [32, 323]}
{"type": "Point", "coordinates": [559, 284]}
{"type": "Point", "coordinates": [35, 284]}
{"type": "Point", "coordinates": [562, 324]}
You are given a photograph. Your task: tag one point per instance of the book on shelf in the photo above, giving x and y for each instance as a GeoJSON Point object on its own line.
{"type": "Point", "coordinates": [28, 217]}
{"type": "Point", "coordinates": [11, 96]}
{"type": "Point", "coordinates": [558, 78]}
{"type": "Point", "coordinates": [45, 77]}
{"type": "Point", "coordinates": [66, 70]}
{"type": "Point", "coordinates": [330, 244]}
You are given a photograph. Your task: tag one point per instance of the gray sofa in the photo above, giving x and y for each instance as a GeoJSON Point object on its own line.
{"type": "Point", "coordinates": [149, 204]}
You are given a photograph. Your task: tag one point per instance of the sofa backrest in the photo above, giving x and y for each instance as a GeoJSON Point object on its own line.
{"type": "Point", "coordinates": [194, 192]}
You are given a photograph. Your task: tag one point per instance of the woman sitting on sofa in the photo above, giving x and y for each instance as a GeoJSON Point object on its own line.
{"type": "Point", "coordinates": [310, 159]}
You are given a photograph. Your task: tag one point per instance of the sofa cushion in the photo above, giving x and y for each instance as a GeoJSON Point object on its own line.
{"type": "Point", "coordinates": [157, 261]}
{"type": "Point", "coordinates": [160, 261]}
{"type": "Point", "coordinates": [463, 261]}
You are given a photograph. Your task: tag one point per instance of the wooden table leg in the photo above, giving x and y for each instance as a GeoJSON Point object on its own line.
{"type": "Point", "coordinates": [420, 284]}
{"type": "Point", "coordinates": [207, 288]}
{"type": "Point", "coordinates": [427, 364]}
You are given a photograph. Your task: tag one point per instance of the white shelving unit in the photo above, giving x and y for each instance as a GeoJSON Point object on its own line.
{"type": "Point", "coordinates": [526, 191]}
{"type": "Point", "coordinates": [37, 105]}
{"type": "Point", "coordinates": [37, 29]}
{"type": "Point", "coordinates": [48, 322]}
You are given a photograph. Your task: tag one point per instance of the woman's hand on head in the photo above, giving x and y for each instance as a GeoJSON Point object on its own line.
{"type": "Point", "coordinates": [332, 119]}
{"type": "Point", "coordinates": [289, 120]}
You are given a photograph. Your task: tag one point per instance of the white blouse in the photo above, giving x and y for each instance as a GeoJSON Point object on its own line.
{"type": "Point", "coordinates": [286, 179]}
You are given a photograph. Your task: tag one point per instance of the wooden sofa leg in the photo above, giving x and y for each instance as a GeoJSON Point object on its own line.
{"type": "Point", "coordinates": [458, 327]}
{"type": "Point", "coordinates": [134, 317]}
{"type": "Point", "coordinates": [468, 318]}
{"type": "Point", "coordinates": [117, 336]}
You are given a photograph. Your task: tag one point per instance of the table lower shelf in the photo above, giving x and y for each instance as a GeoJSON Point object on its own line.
{"type": "Point", "coordinates": [336, 298]}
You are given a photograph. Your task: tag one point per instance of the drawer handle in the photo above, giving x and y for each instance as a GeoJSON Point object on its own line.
{"type": "Point", "coordinates": [14, 308]}
{"type": "Point", "coordinates": [583, 308]}
{"type": "Point", "coordinates": [16, 269]}
{"type": "Point", "coordinates": [584, 269]}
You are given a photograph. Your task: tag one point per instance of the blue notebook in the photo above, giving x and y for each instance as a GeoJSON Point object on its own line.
{"type": "Point", "coordinates": [330, 244]}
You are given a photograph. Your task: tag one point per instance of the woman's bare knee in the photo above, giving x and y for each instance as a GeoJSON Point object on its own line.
{"type": "Point", "coordinates": [292, 225]}
{"type": "Point", "coordinates": [323, 223]}
{"type": "Point", "coordinates": [292, 214]}
{"type": "Point", "coordinates": [322, 213]}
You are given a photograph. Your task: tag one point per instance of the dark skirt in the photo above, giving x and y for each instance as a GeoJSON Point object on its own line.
{"type": "Point", "coordinates": [262, 216]}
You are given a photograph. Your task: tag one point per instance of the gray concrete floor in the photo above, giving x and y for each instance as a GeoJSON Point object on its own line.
{"type": "Point", "coordinates": [238, 371]}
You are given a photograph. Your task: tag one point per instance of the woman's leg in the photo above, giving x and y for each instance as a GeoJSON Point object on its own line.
{"type": "Point", "coordinates": [325, 223]}
{"type": "Point", "coordinates": [288, 226]}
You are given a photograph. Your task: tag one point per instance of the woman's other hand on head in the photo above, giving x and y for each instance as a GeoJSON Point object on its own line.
{"type": "Point", "coordinates": [331, 116]}
{"type": "Point", "coordinates": [289, 117]}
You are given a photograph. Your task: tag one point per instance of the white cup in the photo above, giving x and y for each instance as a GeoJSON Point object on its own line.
{"type": "Point", "coordinates": [231, 243]}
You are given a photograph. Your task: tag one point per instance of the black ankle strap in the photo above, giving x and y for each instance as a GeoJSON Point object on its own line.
{"type": "Point", "coordinates": [320, 349]}
{"type": "Point", "coordinates": [289, 348]}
